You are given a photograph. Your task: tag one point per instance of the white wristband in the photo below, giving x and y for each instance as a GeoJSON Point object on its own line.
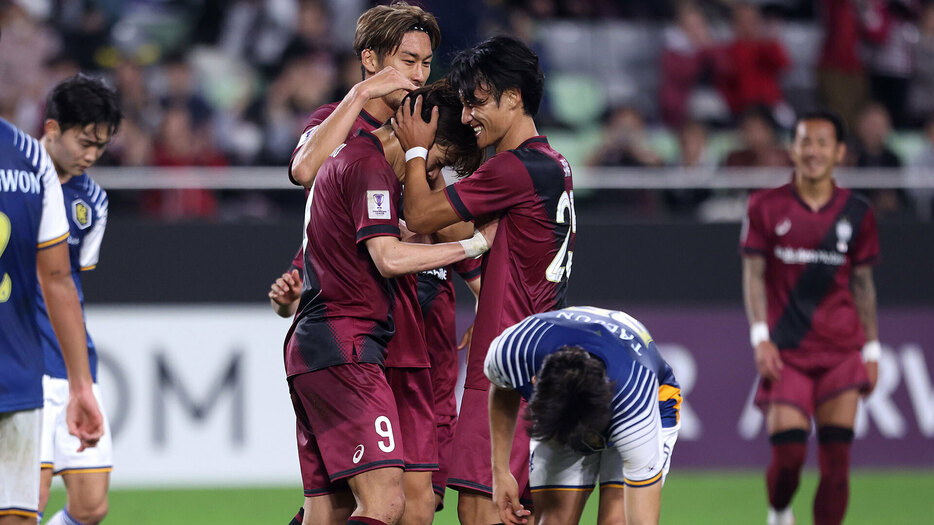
{"type": "Point", "coordinates": [475, 246]}
{"type": "Point", "coordinates": [417, 151]}
{"type": "Point", "coordinates": [758, 333]}
{"type": "Point", "coordinates": [872, 350]}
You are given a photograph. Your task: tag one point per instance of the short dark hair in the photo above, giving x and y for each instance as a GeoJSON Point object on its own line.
{"type": "Point", "coordinates": [381, 28]}
{"type": "Point", "coordinates": [498, 64]}
{"type": "Point", "coordinates": [82, 100]}
{"type": "Point", "coordinates": [462, 152]}
{"type": "Point", "coordinates": [839, 126]}
{"type": "Point", "coordinates": [571, 400]}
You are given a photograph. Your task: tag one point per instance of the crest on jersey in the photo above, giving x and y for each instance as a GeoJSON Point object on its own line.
{"type": "Point", "coordinates": [81, 214]}
{"type": "Point", "coordinates": [377, 204]}
{"type": "Point", "coordinates": [844, 234]}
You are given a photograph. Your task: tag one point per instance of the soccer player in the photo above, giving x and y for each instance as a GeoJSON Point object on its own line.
{"type": "Point", "coordinates": [351, 450]}
{"type": "Point", "coordinates": [808, 247]}
{"type": "Point", "coordinates": [33, 253]}
{"type": "Point", "coordinates": [603, 405]}
{"type": "Point", "coordinates": [528, 186]}
{"type": "Point", "coordinates": [81, 116]}
{"type": "Point", "coordinates": [395, 44]}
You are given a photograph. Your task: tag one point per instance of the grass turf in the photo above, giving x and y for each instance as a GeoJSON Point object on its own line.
{"type": "Point", "coordinates": [689, 497]}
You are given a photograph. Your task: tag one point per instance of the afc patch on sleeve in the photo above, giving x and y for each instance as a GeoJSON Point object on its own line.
{"type": "Point", "coordinates": [377, 204]}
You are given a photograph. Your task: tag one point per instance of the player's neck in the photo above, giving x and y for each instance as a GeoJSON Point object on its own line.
{"type": "Point", "coordinates": [392, 149]}
{"type": "Point", "coordinates": [522, 129]}
{"type": "Point", "coordinates": [814, 192]}
{"type": "Point", "coordinates": [378, 109]}
{"type": "Point", "coordinates": [62, 179]}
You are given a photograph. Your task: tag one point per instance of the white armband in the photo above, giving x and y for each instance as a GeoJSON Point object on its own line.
{"type": "Point", "coordinates": [475, 246]}
{"type": "Point", "coordinates": [417, 151]}
{"type": "Point", "coordinates": [758, 333]}
{"type": "Point", "coordinates": [872, 350]}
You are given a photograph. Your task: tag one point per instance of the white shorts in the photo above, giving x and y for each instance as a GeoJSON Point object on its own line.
{"type": "Point", "coordinates": [59, 448]}
{"type": "Point", "coordinates": [555, 467]}
{"type": "Point", "coordinates": [19, 457]}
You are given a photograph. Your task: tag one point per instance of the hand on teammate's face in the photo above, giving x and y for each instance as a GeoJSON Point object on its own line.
{"type": "Point", "coordinates": [409, 127]}
{"type": "Point", "coordinates": [386, 81]}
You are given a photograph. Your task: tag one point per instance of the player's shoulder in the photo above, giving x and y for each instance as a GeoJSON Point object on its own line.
{"type": "Point", "coordinates": [322, 112]}
{"type": "Point", "coordinates": [89, 188]}
{"type": "Point", "coordinates": [770, 196]}
{"type": "Point", "coordinates": [20, 144]}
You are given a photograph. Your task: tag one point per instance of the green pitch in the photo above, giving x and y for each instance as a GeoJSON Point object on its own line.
{"type": "Point", "coordinates": [695, 497]}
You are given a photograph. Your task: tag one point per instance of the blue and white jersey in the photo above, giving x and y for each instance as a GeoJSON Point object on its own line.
{"type": "Point", "coordinates": [32, 217]}
{"type": "Point", "coordinates": [632, 361]}
{"type": "Point", "coordinates": [86, 210]}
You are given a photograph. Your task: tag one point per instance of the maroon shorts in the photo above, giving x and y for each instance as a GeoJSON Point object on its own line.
{"type": "Point", "coordinates": [471, 469]}
{"type": "Point", "coordinates": [346, 424]}
{"type": "Point", "coordinates": [809, 378]}
{"type": "Point", "coordinates": [411, 388]}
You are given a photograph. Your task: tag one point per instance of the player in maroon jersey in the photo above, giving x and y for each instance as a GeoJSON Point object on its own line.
{"type": "Point", "coordinates": [528, 186]}
{"type": "Point", "coordinates": [808, 249]}
{"type": "Point", "coordinates": [355, 315]}
{"type": "Point", "coordinates": [395, 44]}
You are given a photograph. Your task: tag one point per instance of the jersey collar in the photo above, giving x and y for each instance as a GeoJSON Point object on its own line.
{"type": "Point", "coordinates": [797, 196]}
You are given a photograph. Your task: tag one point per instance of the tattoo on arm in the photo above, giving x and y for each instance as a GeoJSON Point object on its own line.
{"type": "Point", "coordinates": [864, 295]}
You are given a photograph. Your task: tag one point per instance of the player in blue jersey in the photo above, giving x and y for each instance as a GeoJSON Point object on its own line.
{"type": "Point", "coordinates": [33, 253]}
{"type": "Point", "coordinates": [81, 116]}
{"type": "Point", "coordinates": [603, 405]}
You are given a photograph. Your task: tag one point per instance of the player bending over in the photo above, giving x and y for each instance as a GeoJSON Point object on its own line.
{"type": "Point", "coordinates": [603, 407]}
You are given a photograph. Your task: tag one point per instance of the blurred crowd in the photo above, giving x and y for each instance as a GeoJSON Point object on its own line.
{"type": "Point", "coordinates": [218, 83]}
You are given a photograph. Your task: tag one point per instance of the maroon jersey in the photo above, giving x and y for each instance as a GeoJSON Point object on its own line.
{"type": "Point", "coordinates": [344, 312]}
{"type": "Point", "coordinates": [526, 270]}
{"type": "Point", "coordinates": [364, 121]}
{"type": "Point", "coordinates": [407, 348]}
{"type": "Point", "coordinates": [809, 260]}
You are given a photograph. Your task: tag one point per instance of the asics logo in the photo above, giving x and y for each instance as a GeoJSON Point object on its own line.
{"type": "Point", "coordinates": [358, 454]}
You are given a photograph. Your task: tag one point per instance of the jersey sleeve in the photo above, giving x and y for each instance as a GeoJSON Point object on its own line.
{"type": "Point", "coordinates": [753, 240]}
{"type": "Point", "coordinates": [866, 250]}
{"type": "Point", "coordinates": [314, 120]}
{"type": "Point", "coordinates": [371, 190]}
{"type": "Point", "coordinates": [298, 262]}
{"type": "Point", "coordinates": [53, 227]}
{"type": "Point", "coordinates": [501, 183]}
{"type": "Point", "coordinates": [91, 244]}
{"type": "Point", "coordinates": [510, 360]}
{"type": "Point", "coordinates": [468, 269]}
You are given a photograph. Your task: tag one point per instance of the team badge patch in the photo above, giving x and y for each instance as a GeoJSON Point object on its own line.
{"type": "Point", "coordinates": [81, 214]}
{"type": "Point", "coordinates": [377, 204]}
{"type": "Point", "coordinates": [844, 234]}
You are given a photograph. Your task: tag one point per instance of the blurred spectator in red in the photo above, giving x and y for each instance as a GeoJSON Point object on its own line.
{"type": "Point", "coordinates": [686, 62]}
{"type": "Point", "coordinates": [692, 153]}
{"type": "Point", "coordinates": [890, 62]}
{"type": "Point", "coordinates": [841, 75]}
{"type": "Point", "coordinates": [624, 141]}
{"type": "Point", "coordinates": [178, 144]}
{"type": "Point", "coordinates": [870, 150]}
{"type": "Point", "coordinates": [749, 66]}
{"type": "Point", "coordinates": [921, 94]}
{"type": "Point", "coordinates": [760, 145]}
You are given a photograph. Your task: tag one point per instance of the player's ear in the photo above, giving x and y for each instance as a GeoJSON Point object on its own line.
{"type": "Point", "coordinates": [840, 154]}
{"type": "Point", "coordinates": [370, 61]}
{"type": "Point", "coordinates": [52, 128]}
{"type": "Point", "coordinates": [513, 98]}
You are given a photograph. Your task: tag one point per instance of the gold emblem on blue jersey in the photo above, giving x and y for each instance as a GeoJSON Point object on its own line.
{"type": "Point", "coordinates": [81, 213]}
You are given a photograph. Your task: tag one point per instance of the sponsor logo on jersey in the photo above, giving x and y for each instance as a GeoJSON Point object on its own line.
{"type": "Point", "coordinates": [358, 454]}
{"type": "Point", "coordinates": [438, 273]}
{"type": "Point", "coordinates": [783, 227]}
{"type": "Point", "coordinates": [377, 204]}
{"type": "Point", "coordinates": [789, 255]}
{"type": "Point", "coordinates": [81, 214]}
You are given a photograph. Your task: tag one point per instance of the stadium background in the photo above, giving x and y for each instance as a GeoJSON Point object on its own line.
{"type": "Point", "coordinates": [202, 220]}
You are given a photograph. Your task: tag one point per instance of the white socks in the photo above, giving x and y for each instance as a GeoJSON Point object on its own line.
{"type": "Point", "coordinates": [781, 517]}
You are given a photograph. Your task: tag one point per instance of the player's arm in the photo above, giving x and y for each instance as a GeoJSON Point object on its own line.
{"type": "Point", "coordinates": [61, 298]}
{"type": "Point", "coordinates": [768, 360]}
{"type": "Point", "coordinates": [285, 292]}
{"type": "Point", "coordinates": [394, 257]}
{"type": "Point", "coordinates": [504, 408]}
{"type": "Point", "coordinates": [328, 135]}
{"type": "Point", "coordinates": [864, 295]}
{"type": "Point", "coordinates": [426, 211]}
{"type": "Point", "coordinates": [474, 285]}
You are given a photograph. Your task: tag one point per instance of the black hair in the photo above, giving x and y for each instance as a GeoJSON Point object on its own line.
{"type": "Point", "coordinates": [839, 126]}
{"type": "Point", "coordinates": [571, 400]}
{"type": "Point", "coordinates": [459, 140]}
{"type": "Point", "coordinates": [498, 64]}
{"type": "Point", "coordinates": [82, 100]}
